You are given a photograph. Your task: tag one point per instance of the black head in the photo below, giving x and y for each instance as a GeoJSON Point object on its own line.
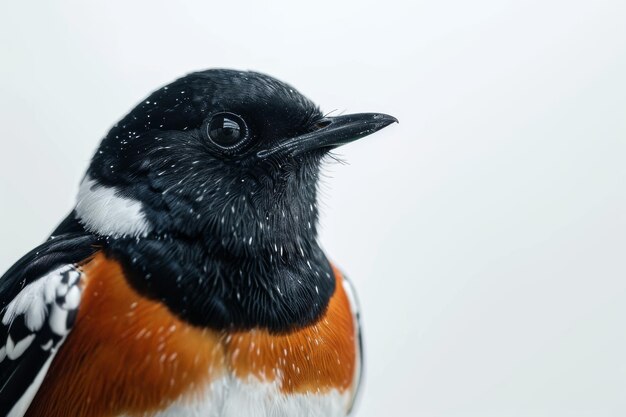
{"type": "Point", "coordinates": [226, 155]}
{"type": "Point", "coordinates": [206, 194]}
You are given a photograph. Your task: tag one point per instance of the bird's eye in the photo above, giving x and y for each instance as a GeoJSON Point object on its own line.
{"type": "Point", "coordinates": [227, 130]}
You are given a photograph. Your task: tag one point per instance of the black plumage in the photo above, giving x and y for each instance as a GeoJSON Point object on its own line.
{"type": "Point", "coordinates": [225, 167]}
{"type": "Point", "coordinates": [234, 239]}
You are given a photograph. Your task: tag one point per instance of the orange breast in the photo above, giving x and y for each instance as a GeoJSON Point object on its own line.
{"type": "Point", "coordinates": [130, 355]}
{"type": "Point", "coordinates": [316, 358]}
{"type": "Point", "coordinates": [125, 354]}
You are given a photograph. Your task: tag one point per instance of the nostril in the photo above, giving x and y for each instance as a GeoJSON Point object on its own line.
{"type": "Point", "coordinates": [321, 124]}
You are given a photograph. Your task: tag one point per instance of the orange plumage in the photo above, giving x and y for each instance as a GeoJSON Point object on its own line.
{"type": "Point", "coordinates": [130, 355]}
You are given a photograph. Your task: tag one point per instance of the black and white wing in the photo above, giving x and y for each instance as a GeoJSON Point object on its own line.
{"type": "Point", "coordinates": [32, 328]}
{"type": "Point", "coordinates": [36, 316]}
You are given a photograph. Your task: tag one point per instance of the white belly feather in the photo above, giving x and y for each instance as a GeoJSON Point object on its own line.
{"type": "Point", "coordinates": [231, 397]}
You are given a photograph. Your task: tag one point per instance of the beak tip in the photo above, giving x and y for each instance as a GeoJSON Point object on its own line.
{"type": "Point", "coordinates": [386, 117]}
{"type": "Point", "coordinates": [385, 120]}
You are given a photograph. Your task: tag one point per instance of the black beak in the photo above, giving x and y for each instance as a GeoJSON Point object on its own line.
{"type": "Point", "coordinates": [332, 132]}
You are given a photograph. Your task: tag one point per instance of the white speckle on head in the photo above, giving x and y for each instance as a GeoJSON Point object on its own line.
{"type": "Point", "coordinates": [104, 211]}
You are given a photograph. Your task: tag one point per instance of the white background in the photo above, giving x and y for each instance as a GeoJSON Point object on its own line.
{"type": "Point", "coordinates": [486, 233]}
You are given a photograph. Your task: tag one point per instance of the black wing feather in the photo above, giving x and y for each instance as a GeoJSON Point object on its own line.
{"type": "Point", "coordinates": [60, 250]}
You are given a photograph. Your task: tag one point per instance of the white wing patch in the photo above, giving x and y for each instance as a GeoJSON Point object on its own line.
{"type": "Point", "coordinates": [49, 300]}
{"type": "Point", "coordinates": [33, 326]}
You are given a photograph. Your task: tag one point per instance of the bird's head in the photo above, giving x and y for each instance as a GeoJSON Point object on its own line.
{"type": "Point", "coordinates": [224, 155]}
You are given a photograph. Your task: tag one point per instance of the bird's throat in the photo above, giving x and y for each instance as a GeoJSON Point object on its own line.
{"type": "Point", "coordinates": [279, 289]}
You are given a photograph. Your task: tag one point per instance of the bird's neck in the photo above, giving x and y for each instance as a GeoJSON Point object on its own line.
{"type": "Point", "coordinates": [280, 288]}
{"type": "Point", "coordinates": [249, 264]}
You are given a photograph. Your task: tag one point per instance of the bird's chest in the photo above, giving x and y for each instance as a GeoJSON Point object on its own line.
{"type": "Point", "coordinates": [302, 374]}
{"type": "Point", "coordinates": [130, 356]}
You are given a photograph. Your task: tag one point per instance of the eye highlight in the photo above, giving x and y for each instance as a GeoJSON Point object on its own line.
{"type": "Point", "coordinates": [227, 130]}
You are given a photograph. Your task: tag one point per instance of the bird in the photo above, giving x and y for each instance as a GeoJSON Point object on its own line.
{"type": "Point", "coordinates": [188, 279]}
